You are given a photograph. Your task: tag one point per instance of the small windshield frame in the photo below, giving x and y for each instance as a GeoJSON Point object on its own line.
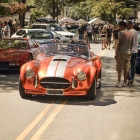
{"type": "Point", "coordinates": [73, 50]}
{"type": "Point", "coordinates": [13, 43]}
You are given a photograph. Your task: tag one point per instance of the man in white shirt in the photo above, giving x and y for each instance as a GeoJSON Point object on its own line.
{"type": "Point", "coordinates": [6, 30]}
{"type": "Point", "coordinates": [134, 52]}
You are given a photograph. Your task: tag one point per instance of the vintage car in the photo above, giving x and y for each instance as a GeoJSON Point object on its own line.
{"type": "Point", "coordinates": [14, 52]}
{"type": "Point", "coordinates": [61, 69]}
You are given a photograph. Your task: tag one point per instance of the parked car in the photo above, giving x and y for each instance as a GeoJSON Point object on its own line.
{"type": "Point", "coordinates": [45, 36]}
{"type": "Point", "coordinates": [15, 52]}
{"type": "Point", "coordinates": [61, 69]}
{"type": "Point", "coordinates": [21, 32]}
{"type": "Point", "coordinates": [45, 20]}
{"type": "Point", "coordinates": [41, 26]}
{"type": "Point", "coordinates": [39, 37]}
{"type": "Point", "coordinates": [58, 29]}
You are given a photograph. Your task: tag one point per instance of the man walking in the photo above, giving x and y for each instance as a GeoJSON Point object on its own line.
{"type": "Point", "coordinates": [134, 52]}
{"type": "Point", "coordinates": [123, 53]}
{"type": "Point", "coordinates": [80, 32]}
{"type": "Point", "coordinates": [109, 35]}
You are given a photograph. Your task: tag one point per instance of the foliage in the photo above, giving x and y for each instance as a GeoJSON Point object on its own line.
{"type": "Point", "coordinates": [107, 11]}
{"type": "Point", "coordinates": [80, 10]}
{"type": "Point", "coordinates": [14, 8]}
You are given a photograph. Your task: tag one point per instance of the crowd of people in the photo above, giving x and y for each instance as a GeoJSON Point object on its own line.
{"type": "Point", "coordinates": [125, 43]}
{"type": "Point", "coordinates": [7, 28]}
{"type": "Point", "coordinates": [124, 36]}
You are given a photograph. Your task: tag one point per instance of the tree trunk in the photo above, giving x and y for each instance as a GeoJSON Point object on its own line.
{"type": "Point", "coordinates": [53, 9]}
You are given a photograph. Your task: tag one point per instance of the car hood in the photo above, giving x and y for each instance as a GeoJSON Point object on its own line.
{"type": "Point", "coordinates": [42, 40]}
{"type": "Point", "coordinates": [63, 60]}
{"type": "Point", "coordinates": [65, 33]}
{"type": "Point", "coordinates": [11, 54]}
{"type": "Point", "coordinates": [57, 66]}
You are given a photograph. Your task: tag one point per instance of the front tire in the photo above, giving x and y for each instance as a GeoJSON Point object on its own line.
{"type": "Point", "coordinates": [91, 93]}
{"type": "Point", "coordinates": [22, 92]}
{"type": "Point", "coordinates": [99, 80]}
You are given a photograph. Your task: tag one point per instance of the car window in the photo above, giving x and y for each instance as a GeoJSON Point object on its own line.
{"type": "Point", "coordinates": [14, 43]}
{"type": "Point", "coordinates": [41, 36]}
{"type": "Point", "coordinates": [32, 43]}
{"type": "Point", "coordinates": [20, 32]}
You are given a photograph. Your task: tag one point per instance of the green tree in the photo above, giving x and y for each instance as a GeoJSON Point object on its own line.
{"type": "Point", "coordinates": [81, 10]}
{"type": "Point", "coordinates": [107, 11]}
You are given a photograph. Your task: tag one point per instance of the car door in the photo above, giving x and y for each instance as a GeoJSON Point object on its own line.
{"type": "Point", "coordinates": [33, 47]}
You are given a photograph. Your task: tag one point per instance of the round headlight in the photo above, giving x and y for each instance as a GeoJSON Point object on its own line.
{"type": "Point", "coordinates": [81, 75]}
{"type": "Point", "coordinates": [29, 74]}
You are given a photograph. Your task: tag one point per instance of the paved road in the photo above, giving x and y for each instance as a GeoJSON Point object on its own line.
{"type": "Point", "coordinates": [114, 115]}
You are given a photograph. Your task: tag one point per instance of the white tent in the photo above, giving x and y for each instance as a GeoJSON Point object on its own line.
{"type": "Point", "coordinates": [81, 21]}
{"type": "Point", "coordinates": [49, 16]}
{"type": "Point", "coordinates": [96, 21]}
{"type": "Point", "coordinates": [67, 19]}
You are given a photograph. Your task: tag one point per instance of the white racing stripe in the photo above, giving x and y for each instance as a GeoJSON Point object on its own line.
{"type": "Point", "coordinates": [57, 68]}
{"type": "Point", "coordinates": [62, 67]}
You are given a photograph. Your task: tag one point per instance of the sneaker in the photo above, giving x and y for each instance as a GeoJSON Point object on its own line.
{"type": "Point", "coordinates": [118, 84]}
{"type": "Point", "coordinates": [130, 82]}
{"type": "Point", "coordinates": [125, 84]}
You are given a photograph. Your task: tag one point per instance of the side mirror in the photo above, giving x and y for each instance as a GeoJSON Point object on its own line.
{"type": "Point", "coordinates": [36, 46]}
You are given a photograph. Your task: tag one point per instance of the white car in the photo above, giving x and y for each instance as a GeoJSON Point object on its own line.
{"type": "Point", "coordinates": [21, 32]}
{"type": "Point", "coordinates": [55, 27]}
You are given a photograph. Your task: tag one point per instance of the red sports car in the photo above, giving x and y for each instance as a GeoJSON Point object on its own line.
{"type": "Point", "coordinates": [15, 52]}
{"type": "Point", "coordinates": [61, 69]}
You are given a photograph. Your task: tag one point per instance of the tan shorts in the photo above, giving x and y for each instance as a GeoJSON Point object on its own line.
{"type": "Point", "coordinates": [116, 41]}
{"type": "Point", "coordinates": [95, 35]}
{"type": "Point", "coordinates": [123, 61]}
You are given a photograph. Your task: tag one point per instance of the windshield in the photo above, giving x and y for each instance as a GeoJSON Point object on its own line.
{"type": "Point", "coordinates": [74, 50]}
{"type": "Point", "coordinates": [39, 35]}
{"type": "Point", "coordinates": [57, 28]}
{"type": "Point", "coordinates": [14, 43]}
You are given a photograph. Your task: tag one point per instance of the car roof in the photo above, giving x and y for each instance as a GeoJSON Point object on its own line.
{"type": "Point", "coordinates": [32, 29]}
{"type": "Point", "coordinates": [40, 24]}
{"type": "Point", "coordinates": [14, 38]}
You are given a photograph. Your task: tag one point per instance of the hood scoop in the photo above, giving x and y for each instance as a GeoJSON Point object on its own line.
{"type": "Point", "coordinates": [60, 58]}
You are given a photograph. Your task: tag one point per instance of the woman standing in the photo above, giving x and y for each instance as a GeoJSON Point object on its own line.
{"type": "Point", "coordinates": [103, 37]}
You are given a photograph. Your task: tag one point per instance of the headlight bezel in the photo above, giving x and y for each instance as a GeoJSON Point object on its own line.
{"type": "Point", "coordinates": [29, 74]}
{"type": "Point", "coordinates": [81, 76]}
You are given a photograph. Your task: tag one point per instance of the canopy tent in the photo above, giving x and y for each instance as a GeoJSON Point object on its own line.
{"type": "Point", "coordinates": [96, 21]}
{"type": "Point", "coordinates": [67, 19]}
{"type": "Point", "coordinates": [81, 21]}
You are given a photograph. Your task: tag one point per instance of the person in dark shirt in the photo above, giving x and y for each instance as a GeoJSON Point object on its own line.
{"type": "Point", "coordinates": [80, 32]}
{"type": "Point", "coordinates": [115, 36]}
{"type": "Point", "coordinates": [108, 35]}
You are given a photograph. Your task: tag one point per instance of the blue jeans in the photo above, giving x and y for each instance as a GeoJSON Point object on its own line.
{"type": "Point", "coordinates": [81, 36]}
{"type": "Point", "coordinates": [132, 69]}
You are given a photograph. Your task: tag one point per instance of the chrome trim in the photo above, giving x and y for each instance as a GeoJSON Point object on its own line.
{"type": "Point", "coordinates": [36, 82]}
{"type": "Point", "coordinates": [72, 83]}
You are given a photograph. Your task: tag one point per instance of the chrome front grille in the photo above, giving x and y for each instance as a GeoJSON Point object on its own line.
{"type": "Point", "coordinates": [54, 83]}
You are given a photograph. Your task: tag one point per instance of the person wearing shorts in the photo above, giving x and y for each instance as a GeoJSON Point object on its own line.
{"type": "Point", "coordinates": [123, 53]}
{"type": "Point", "coordinates": [103, 37]}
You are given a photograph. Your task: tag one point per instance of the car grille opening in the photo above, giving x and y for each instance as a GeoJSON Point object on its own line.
{"type": "Point", "coordinates": [54, 83]}
{"type": "Point", "coordinates": [4, 63]}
